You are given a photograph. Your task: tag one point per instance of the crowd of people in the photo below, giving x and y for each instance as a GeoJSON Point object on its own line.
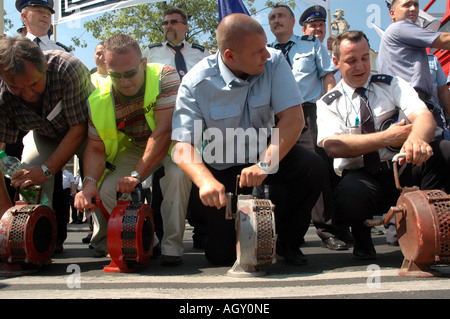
{"type": "Point", "coordinates": [163, 115]}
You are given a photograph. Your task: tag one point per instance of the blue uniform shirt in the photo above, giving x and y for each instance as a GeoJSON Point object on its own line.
{"type": "Point", "coordinates": [403, 53]}
{"type": "Point", "coordinates": [217, 99]}
{"type": "Point", "coordinates": [310, 62]}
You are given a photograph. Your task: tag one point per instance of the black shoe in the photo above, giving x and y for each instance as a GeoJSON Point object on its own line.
{"type": "Point", "coordinates": [333, 243]}
{"type": "Point", "coordinates": [87, 239]}
{"type": "Point", "coordinates": [171, 260]}
{"type": "Point", "coordinates": [156, 251]}
{"type": "Point", "coordinates": [363, 248]}
{"type": "Point", "coordinates": [291, 257]}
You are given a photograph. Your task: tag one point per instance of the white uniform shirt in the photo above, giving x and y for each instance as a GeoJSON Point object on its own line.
{"type": "Point", "coordinates": [162, 53]}
{"type": "Point", "coordinates": [46, 43]}
{"type": "Point", "coordinates": [337, 112]}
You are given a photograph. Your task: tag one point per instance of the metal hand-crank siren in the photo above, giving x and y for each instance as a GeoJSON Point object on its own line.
{"type": "Point", "coordinates": [255, 234]}
{"type": "Point", "coordinates": [27, 236]}
{"type": "Point", "coordinates": [423, 228]}
{"type": "Point", "coordinates": [130, 234]}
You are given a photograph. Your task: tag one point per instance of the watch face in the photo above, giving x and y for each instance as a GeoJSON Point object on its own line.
{"type": "Point", "coordinates": [47, 173]}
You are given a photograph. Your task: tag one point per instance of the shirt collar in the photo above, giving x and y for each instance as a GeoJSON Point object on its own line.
{"type": "Point", "coordinates": [350, 90]}
{"type": "Point", "coordinates": [226, 73]}
{"type": "Point", "coordinates": [45, 39]}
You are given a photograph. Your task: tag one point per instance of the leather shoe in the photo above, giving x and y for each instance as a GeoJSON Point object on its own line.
{"type": "Point", "coordinates": [365, 254]}
{"type": "Point", "coordinates": [171, 260]}
{"type": "Point", "coordinates": [291, 257]}
{"type": "Point", "coordinates": [333, 243]}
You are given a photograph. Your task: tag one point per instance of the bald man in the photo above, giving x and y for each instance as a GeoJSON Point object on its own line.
{"type": "Point", "coordinates": [239, 91]}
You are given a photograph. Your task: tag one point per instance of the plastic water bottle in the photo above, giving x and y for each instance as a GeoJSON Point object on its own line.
{"type": "Point", "coordinates": [9, 165]}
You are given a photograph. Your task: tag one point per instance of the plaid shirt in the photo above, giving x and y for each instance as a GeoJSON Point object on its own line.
{"type": "Point", "coordinates": [68, 87]}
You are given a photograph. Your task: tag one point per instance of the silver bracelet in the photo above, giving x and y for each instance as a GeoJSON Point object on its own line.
{"type": "Point", "coordinates": [89, 179]}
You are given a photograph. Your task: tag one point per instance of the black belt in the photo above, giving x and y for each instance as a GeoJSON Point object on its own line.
{"type": "Point", "coordinates": [309, 104]}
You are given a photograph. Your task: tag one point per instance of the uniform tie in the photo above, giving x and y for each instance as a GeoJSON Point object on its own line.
{"type": "Point", "coordinates": [37, 40]}
{"type": "Point", "coordinates": [179, 59]}
{"type": "Point", "coordinates": [285, 47]}
{"type": "Point", "coordinates": [371, 160]}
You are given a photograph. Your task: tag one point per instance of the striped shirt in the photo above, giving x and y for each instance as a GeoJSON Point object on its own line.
{"type": "Point", "coordinates": [68, 86]}
{"type": "Point", "coordinates": [130, 118]}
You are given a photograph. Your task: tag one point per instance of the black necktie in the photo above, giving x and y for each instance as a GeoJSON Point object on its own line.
{"type": "Point", "coordinates": [371, 160]}
{"type": "Point", "coordinates": [179, 60]}
{"type": "Point", "coordinates": [37, 40]}
{"type": "Point", "coordinates": [285, 47]}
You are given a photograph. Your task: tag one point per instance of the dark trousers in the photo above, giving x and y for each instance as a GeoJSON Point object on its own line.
{"type": "Point", "coordinates": [360, 195]}
{"type": "Point", "coordinates": [301, 171]}
{"type": "Point", "coordinates": [323, 213]}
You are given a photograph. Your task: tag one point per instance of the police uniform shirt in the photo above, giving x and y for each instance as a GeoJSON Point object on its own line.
{"type": "Point", "coordinates": [403, 53]}
{"type": "Point", "coordinates": [212, 97]}
{"type": "Point", "coordinates": [310, 62]}
{"type": "Point", "coordinates": [164, 54]}
{"type": "Point", "coordinates": [338, 110]}
{"type": "Point", "coordinates": [45, 43]}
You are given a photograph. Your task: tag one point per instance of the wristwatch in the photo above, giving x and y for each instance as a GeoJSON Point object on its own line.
{"type": "Point", "coordinates": [47, 173]}
{"type": "Point", "coordinates": [135, 174]}
{"type": "Point", "coordinates": [264, 166]}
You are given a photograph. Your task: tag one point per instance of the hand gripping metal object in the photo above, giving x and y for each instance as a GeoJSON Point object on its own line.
{"type": "Point", "coordinates": [27, 237]}
{"type": "Point", "coordinates": [423, 228]}
{"type": "Point", "coordinates": [130, 234]}
{"type": "Point", "coordinates": [255, 235]}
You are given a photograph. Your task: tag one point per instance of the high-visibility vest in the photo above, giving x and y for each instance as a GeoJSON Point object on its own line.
{"type": "Point", "coordinates": [101, 104]}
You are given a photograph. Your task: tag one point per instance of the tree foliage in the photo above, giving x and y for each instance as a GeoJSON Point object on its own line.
{"type": "Point", "coordinates": [143, 22]}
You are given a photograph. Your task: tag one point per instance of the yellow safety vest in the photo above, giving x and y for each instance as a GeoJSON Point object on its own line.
{"type": "Point", "coordinates": [101, 104]}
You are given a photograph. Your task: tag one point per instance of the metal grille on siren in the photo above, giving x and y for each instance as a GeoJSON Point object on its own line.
{"type": "Point", "coordinates": [27, 238]}
{"type": "Point", "coordinates": [422, 219]}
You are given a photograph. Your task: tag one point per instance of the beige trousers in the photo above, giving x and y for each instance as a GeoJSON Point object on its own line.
{"type": "Point", "coordinates": [175, 188]}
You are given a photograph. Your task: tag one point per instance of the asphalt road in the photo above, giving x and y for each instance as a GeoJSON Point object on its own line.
{"type": "Point", "coordinates": [76, 274]}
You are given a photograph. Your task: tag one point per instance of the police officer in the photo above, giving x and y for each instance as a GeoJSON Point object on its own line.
{"type": "Point", "coordinates": [351, 127]}
{"type": "Point", "coordinates": [37, 18]}
{"type": "Point", "coordinates": [313, 22]}
{"type": "Point", "coordinates": [175, 51]}
{"type": "Point", "coordinates": [182, 55]}
{"type": "Point", "coordinates": [313, 72]}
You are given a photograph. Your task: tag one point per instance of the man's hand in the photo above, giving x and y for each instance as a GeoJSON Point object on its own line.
{"type": "Point", "coordinates": [32, 175]}
{"type": "Point", "coordinates": [252, 176]}
{"type": "Point", "coordinates": [417, 151]}
{"type": "Point", "coordinates": [212, 193]}
{"type": "Point", "coordinates": [83, 199]}
{"type": "Point", "coordinates": [126, 184]}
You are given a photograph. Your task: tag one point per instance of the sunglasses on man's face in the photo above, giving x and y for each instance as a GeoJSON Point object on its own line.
{"type": "Point", "coordinates": [126, 75]}
{"type": "Point", "coordinates": [172, 21]}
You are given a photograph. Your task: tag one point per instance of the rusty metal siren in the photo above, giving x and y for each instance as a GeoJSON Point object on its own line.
{"type": "Point", "coordinates": [27, 237]}
{"type": "Point", "coordinates": [130, 234]}
{"type": "Point", "coordinates": [423, 228]}
{"type": "Point", "coordinates": [255, 235]}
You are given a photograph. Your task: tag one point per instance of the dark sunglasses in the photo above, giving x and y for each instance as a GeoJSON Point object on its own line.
{"type": "Point", "coordinates": [172, 21]}
{"type": "Point", "coordinates": [126, 75]}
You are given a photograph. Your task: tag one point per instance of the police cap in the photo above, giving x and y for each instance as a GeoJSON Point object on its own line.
{"type": "Point", "coordinates": [313, 13]}
{"type": "Point", "coordinates": [20, 4]}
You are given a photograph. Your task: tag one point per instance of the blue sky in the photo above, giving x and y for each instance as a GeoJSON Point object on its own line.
{"type": "Point", "coordinates": [358, 14]}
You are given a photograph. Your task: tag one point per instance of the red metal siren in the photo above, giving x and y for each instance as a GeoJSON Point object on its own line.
{"type": "Point", "coordinates": [130, 235]}
{"type": "Point", "coordinates": [423, 228]}
{"type": "Point", "coordinates": [27, 237]}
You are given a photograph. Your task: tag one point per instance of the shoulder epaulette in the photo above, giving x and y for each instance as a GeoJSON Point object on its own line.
{"type": "Point", "coordinates": [154, 45]}
{"type": "Point", "coordinates": [383, 78]}
{"type": "Point", "coordinates": [308, 38]}
{"type": "Point", "coordinates": [67, 49]}
{"type": "Point", "coordinates": [198, 47]}
{"type": "Point", "coordinates": [331, 96]}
